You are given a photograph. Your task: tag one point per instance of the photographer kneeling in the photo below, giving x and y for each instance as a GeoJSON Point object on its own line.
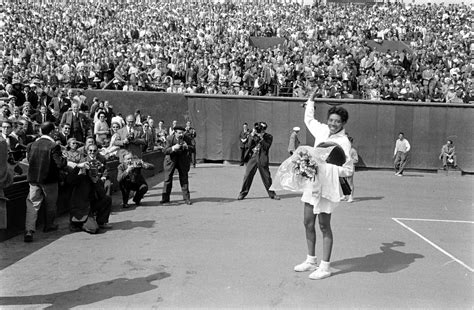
{"type": "Point", "coordinates": [130, 178]}
{"type": "Point", "coordinates": [89, 199]}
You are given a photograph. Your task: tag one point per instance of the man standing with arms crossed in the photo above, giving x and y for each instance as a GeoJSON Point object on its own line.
{"type": "Point", "coordinates": [402, 147]}
{"type": "Point", "coordinates": [45, 160]}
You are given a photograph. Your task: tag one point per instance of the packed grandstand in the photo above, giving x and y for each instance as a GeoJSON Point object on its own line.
{"type": "Point", "coordinates": [378, 52]}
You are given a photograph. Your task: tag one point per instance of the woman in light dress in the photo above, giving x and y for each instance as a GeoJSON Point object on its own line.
{"type": "Point", "coordinates": [315, 205]}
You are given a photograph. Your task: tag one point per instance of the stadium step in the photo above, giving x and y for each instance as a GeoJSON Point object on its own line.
{"type": "Point", "coordinates": [451, 171]}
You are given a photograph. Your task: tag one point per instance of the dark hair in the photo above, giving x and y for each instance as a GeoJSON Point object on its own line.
{"type": "Point", "coordinates": [101, 113]}
{"type": "Point", "coordinates": [8, 122]}
{"type": "Point", "coordinates": [47, 128]}
{"type": "Point", "coordinates": [339, 111]}
{"type": "Point", "coordinates": [401, 133]}
{"type": "Point", "coordinates": [246, 124]}
{"type": "Point", "coordinates": [450, 141]}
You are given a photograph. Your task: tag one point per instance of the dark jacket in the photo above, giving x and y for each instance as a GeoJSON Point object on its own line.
{"type": "Point", "coordinates": [263, 144]}
{"type": "Point", "coordinates": [182, 155]}
{"type": "Point", "coordinates": [37, 117]}
{"type": "Point", "coordinates": [45, 159]}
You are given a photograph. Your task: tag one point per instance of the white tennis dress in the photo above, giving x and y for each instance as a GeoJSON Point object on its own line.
{"type": "Point", "coordinates": [326, 199]}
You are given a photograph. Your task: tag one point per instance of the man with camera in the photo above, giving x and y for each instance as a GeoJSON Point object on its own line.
{"type": "Point", "coordinates": [130, 178]}
{"type": "Point", "coordinates": [177, 149]}
{"type": "Point", "coordinates": [90, 195]}
{"type": "Point", "coordinates": [258, 146]}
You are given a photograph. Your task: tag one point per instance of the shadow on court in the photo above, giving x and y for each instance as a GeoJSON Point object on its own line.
{"type": "Point", "coordinates": [386, 261]}
{"type": "Point", "coordinates": [368, 198]}
{"type": "Point", "coordinates": [90, 293]}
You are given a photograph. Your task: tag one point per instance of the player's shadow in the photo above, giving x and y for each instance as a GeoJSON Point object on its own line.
{"type": "Point", "coordinates": [89, 294]}
{"type": "Point", "coordinates": [387, 261]}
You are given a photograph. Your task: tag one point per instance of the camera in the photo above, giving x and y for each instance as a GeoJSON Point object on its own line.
{"type": "Point", "coordinates": [258, 128]}
{"type": "Point", "coordinates": [94, 168]}
{"type": "Point", "coordinates": [138, 163]}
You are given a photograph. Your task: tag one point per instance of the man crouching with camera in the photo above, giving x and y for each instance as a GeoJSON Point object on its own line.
{"type": "Point", "coordinates": [90, 203]}
{"type": "Point", "coordinates": [177, 149]}
{"type": "Point", "coordinates": [130, 178]}
{"type": "Point", "coordinates": [258, 146]}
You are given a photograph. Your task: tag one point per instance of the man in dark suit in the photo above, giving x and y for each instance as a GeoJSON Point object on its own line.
{"type": "Point", "coordinates": [130, 178]}
{"type": "Point", "coordinates": [30, 95]}
{"type": "Point", "coordinates": [64, 134]}
{"type": "Point", "coordinates": [259, 144]}
{"type": "Point", "coordinates": [43, 116]}
{"type": "Point", "coordinates": [45, 161]}
{"type": "Point", "coordinates": [131, 137]}
{"type": "Point", "coordinates": [176, 150]}
{"type": "Point", "coordinates": [78, 122]}
{"type": "Point", "coordinates": [243, 138]}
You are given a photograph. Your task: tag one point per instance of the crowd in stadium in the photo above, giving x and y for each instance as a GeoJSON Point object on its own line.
{"type": "Point", "coordinates": [205, 48]}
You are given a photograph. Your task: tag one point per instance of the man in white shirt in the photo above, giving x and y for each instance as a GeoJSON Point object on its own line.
{"type": "Point", "coordinates": [402, 147]}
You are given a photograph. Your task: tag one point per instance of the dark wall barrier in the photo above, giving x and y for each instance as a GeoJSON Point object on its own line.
{"type": "Point", "coordinates": [374, 126]}
{"type": "Point", "coordinates": [163, 106]}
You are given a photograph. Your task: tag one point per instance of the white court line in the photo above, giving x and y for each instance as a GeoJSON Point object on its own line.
{"type": "Point", "coordinates": [432, 243]}
{"type": "Point", "coordinates": [431, 220]}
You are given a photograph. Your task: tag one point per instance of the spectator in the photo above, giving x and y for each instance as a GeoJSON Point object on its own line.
{"type": "Point", "coordinates": [130, 137]}
{"type": "Point", "coordinates": [161, 134]}
{"type": "Point", "coordinates": [72, 152]}
{"type": "Point", "coordinates": [191, 133]}
{"type": "Point", "coordinates": [448, 155]}
{"type": "Point", "coordinates": [111, 149]}
{"type": "Point", "coordinates": [243, 138]}
{"type": "Point", "coordinates": [42, 116]}
{"type": "Point", "coordinates": [6, 179]}
{"type": "Point", "coordinates": [294, 141]}
{"type": "Point", "coordinates": [101, 129]}
{"type": "Point", "coordinates": [65, 134]}
{"type": "Point", "coordinates": [148, 137]}
{"type": "Point", "coordinates": [78, 122]}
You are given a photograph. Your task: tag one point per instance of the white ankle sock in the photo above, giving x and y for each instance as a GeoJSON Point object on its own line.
{"type": "Point", "coordinates": [323, 265]}
{"type": "Point", "coordinates": [311, 259]}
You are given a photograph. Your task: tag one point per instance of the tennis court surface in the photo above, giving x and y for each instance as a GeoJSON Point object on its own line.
{"type": "Point", "coordinates": [406, 242]}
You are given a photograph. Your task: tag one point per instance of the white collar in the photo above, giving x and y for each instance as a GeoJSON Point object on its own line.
{"type": "Point", "coordinates": [47, 137]}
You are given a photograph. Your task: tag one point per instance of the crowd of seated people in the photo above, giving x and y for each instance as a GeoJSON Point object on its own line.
{"type": "Point", "coordinates": [205, 48]}
{"type": "Point", "coordinates": [88, 142]}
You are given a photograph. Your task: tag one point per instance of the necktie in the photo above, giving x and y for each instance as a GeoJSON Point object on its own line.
{"type": "Point", "coordinates": [44, 118]}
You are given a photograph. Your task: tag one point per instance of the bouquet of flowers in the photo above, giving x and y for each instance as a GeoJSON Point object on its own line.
{"type": "Point", "coordinates": [300, 171]}
{"type": "Point", "coordinates": [305, 165]}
